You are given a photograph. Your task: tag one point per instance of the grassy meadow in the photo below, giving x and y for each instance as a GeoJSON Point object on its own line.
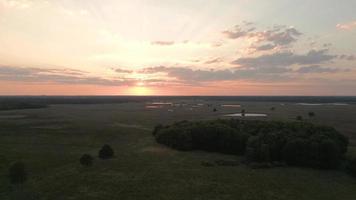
{"type": "Point", "coordinates": [51, 140]}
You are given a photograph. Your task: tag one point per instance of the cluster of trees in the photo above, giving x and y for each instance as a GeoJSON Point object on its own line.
{"type": "Point", "coordinates": [18, 174]}
{"type": "Point", "coordinates": [106, 152]}
{"type": "Point", "coordinates": [295, 143]}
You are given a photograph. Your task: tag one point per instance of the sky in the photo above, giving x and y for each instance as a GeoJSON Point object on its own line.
{"type": "Point", "coordinates": [177, 47]}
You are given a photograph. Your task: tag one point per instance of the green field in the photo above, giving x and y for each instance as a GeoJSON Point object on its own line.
{"type": "Point", "coordinates": [51, 140]}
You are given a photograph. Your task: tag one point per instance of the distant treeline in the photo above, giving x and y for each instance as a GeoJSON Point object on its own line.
{"type": "Point", "coordinates": [47, 100]}
{"type": "Point", "coordinates": [122, 99]}
{"type": "Point", "coordinates": [295, 143]}
{"type": "Point", "coordinates": [13, 105]}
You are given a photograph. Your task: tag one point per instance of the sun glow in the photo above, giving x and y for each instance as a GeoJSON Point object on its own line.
{"type": "Point", "coordinates": [140, 90]}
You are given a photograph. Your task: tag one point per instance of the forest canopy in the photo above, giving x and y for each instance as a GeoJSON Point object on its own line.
{"type": "Point", "coordinates": [295, 143]}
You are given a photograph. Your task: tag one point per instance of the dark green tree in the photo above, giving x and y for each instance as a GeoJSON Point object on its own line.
{"type": "Point", "coordinates": [311, 114]}
{"type": "Point", "coordinates": [299, 118]}
{"type": "Point", "coordinates": [86, 160]}
{"type": "Point", "coordinates": [243, 112]}
{"type": "Point", "coordinates": [17, 173]}
{"type": "Point", "coordinates": [106, 152]}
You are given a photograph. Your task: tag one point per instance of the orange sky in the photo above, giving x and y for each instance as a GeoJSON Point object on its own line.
{"type": "Point", "coordinates": [159, 47]}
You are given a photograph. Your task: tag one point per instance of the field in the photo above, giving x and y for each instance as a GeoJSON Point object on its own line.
{"type": "Point", "coordinates": [51, 140]}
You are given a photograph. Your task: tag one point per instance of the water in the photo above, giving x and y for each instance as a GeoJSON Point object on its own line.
{"type": "Point", "coordinates": [231, 105]}
{"type": "Point", "coordinates": [161, 103]}
{"type": "Point", "coordinates": [322, 104]}
{"type": "Point", "coordinates": [153, 107]}
{"type": "Point", "coordinates": [246, 115]}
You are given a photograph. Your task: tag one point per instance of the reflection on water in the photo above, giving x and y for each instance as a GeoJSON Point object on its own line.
{"type": "Point", "coordinates": [246, 115]}
{"type": "Point", "coordinates": [231, 105]}
{"type": "Point", "coordinates": [161, 103]}
{"type": "Point", "coordinates": [322, 104]}
{"type": "Point", "coordinates": [153, 107]}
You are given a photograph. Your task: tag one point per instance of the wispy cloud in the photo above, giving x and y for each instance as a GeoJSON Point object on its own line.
{"type": "Point", "coordinates": [162, 43]}
{"type": "Point", "coordinates": [286, 58]}
{"type": "Point", "coordinates": [277, 36]}
{"type": "Point", "coordinates": [122, 71]}
{"type": "Point", "coordinates": [319, 69]}
{"type": "Point", "coordinates": [62, 76]}
{"type": "Point", "coordinates": [346, 26]}
{"type": "Point", "coordinates": [213, 61]}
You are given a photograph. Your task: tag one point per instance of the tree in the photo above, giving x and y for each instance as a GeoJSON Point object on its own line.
{"type": "Point", "coordinates": [17, 173]}
{"type": "Point", "coordinates": [214, 110]}
{"type": "Point", "coordinates": [311, 114]}
{"type": "Point", "coordinates": [352, 166]}
{"type": "Point", "coordinates": [157, 128]}
{"type": "Point", "coordinates": [273, 108]}
{"type": "Point", "coordinates": [86, 160]}
{"type": "Point", "coordinates": [299, 118]}
{"type": "Point", "coordinates": [243, 113]}
{"type": "Point", "coordinates": [106, 152]}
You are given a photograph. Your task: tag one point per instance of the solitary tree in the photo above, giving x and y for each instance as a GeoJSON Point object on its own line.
{"type": "Point", "coordinates": [311, 114]}
{"type": "Point", "coordinates": [243, 112]}
{"type": "Point", "coordinates": [214, 110]}
{"type": "Point", "coordinates": [17, 173]}
{"type": "Point", "coordinates": [106, 152]}
{"type": "Point", "coordinates": [273, 108]}
{"type": "Point", "coordinates": [299, 118]}
{"type": "Point", "coordinates": [86, 160]}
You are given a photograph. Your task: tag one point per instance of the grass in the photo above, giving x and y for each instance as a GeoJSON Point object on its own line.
{"type": "Point", "coordinates": [51, 140]}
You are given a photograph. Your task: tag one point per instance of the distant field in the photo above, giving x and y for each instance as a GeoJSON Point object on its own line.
{"type": "Point", "coordinates": [51, 140]}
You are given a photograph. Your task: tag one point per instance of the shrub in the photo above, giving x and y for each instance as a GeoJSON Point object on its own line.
{"type": "Point", "coordinates": [311, 114]}
{"type": "Point", "coordinates": [86, 160]}
{"type": "Point", "coordinates": [299, 118]}
{"type": "Point", "coordinates": [17, 173]}
{"type": "Point", "coordinates": [106, 152]}
{"type": "Point", "coordinates": [352, 166]}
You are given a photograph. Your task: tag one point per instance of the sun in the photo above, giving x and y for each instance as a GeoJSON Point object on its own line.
{"type": "Point", "coordinates": [140, 90]}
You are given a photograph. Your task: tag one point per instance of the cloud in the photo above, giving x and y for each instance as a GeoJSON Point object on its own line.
{"type": "Point", "coordinates": [63, 76]}
{"type": "Point", "coordinates": [235, 34]}
{"type": "Point", "coordinates": [15, 4]}
{"type": "Point", "coordinates": [346, 26]}
{"type": "Point", "coordinates": [191, 75]}
{"type": "Point", "coordinates": [265, 47]}
{"type": "Point", "coordinates": [347, 57]}
{"type": "Point", "coordinates": [162, 43]}
{"type": "Point", "coordinates": [319, 69]}
{"type": "Point", "coordinates": [286, 58]}
{"type": "Point", "coordinates": [122, 71]}
{"type": "Point", "coordinates": [267, 39]}
{"type": "Point", "coordinates": [213, 61]}
{"type": "Point", "coordinates": [196, 76]}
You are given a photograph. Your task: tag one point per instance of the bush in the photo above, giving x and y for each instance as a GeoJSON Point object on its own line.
{"type": "Point", "coordinates": [352, 166]}
{"type": "Point", "coordinates": [106, 152]}
{"type": "Point", "coordinates": [311, 114]}
{"type": "Point", "coordinates": [17, 173]}
{"type": "Point", "coordinates": [86, 160]}
{"type": "Point", "coordinates": [296, 143]}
